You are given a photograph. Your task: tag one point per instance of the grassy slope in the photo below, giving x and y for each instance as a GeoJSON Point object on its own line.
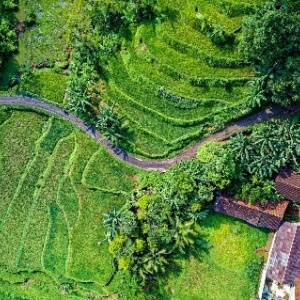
{"type": "Point", "coordinates": [170, 55]}
{"type": "Point", "coordinates": [52, 215]}
{"type": "Point", "coordinates": [166, 55]}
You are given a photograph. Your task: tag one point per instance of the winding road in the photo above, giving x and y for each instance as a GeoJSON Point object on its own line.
{"type": "Point", "coordinates": [159, 165]}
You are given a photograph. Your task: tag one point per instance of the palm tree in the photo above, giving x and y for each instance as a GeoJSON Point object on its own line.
{"type": "Point", "coordinates": [112, 222]}
{"type": "Point", "coordinates": [241, 148]}
{"type": "Point", "coordinates": [152, 262]}
{"type": "Point", "coordinates": [110, 124]}
{"type": "Point", "coordinates": [183, 234]}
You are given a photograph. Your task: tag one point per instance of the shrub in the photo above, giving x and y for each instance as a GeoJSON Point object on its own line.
{"type": "Point", "coordinates": [8, 36]}
{"type": "Point", "coordinates": [124, 263]}
{"type": "Point", "coordinates": [271, 40]}
{"type": "Point", "coordinates": [257, 191]}
{"type": "Point", "coordinates": [116, 245]}
{"type": "Point", "coordinates": [139, 245]}
{"type": "Point", "coordinates": [144, 201]}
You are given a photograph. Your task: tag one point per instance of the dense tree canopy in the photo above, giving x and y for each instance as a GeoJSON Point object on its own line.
{"type": "Point", "coordinates": [271, 40]}
{"type": "Point", "coordinates": [8, 38]}
{"type": "Point", "coordinates": [158, 221]}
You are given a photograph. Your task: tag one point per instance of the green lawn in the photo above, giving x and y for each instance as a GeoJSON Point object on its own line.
{"type": "Point", "coordinates": [222, 273]}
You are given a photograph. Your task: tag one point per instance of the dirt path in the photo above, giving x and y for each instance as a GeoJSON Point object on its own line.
{"type": "Point", "coordinates": [160, 165]}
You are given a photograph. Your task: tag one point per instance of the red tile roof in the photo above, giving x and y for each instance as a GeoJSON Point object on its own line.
{"type": "Point", "coordinates": [284, 261]}
{"type": "Point", "coordinates": [297, 289]}
{"type": "Point", "coordinates": [267, 216]}
{"type": "Point", "coordinates": [287, 184]}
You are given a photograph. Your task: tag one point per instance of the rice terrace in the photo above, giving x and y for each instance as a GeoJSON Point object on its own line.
{"type": "Point", "coordinates": [149, 149]}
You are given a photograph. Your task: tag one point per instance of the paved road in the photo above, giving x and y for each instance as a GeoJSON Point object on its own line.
{"type": "Point", "coordinates": [160, 165]}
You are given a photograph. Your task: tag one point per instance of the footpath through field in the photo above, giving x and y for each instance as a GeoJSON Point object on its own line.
{"type": "Point", "coordinates": [159, 165]}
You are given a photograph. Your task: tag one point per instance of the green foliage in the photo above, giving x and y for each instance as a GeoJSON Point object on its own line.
{"type": "Point", "coordinates": [80, 86]}
{"type": "Point", "coordinates": [139, 245]}
{"type": "Point", "coordinates": [144, 201]}
{"type": "Point", "coordinates": [217, 34]}
{"type": "Point", "coordinates": [135, 55]}
{"type": "Point", "coordinates": [219, 165]}
{"type": "Point", "coordinates": [178, 101]}
{"type": "Point", "coordinates": [111, 125]}
{"type": "Point", "coordinates": [45, 84]}
{"type": "Point", "coordinates": [102, 172]}
{"type": "Point", "coordinates": [253, 271]}
{"type": "Point", "coordinates": [4, 115]}
{"type": "Point", "coordinates": [116, 245]}
{"type": "Point", "coordinates": [50, 219]}
{"type": "Point", "coordinates": [158, 221]}
{"type": "Point", "coordinates": [8, 37]}
{"type": "Point", "coordinates": [257, 190]}
{"type": "Point", "coordinates": [231, 261]}
{"type": "Point", "coordinates": [271, 146]}
{"type": "Point", "coordinates": [271, 39]}
{"type": "Point", "coordinates": [237, 9]}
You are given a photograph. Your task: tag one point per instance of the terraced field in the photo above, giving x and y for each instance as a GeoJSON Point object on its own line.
{"type": "Point", "coordinates": [174, 83]}
{"type": "Point", "coordinates": [56, 184]}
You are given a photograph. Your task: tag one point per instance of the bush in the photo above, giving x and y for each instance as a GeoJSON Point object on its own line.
{"type": "Point", "coordinates": [167, 226]}
{"type": "Point", "coordinates": [271, 40]}
{"type": "Point", "coordinates": [257, 191]}
{"type": "Point", "coordinates": [8, 36]}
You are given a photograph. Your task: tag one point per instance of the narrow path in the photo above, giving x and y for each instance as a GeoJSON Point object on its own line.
{"type": "Point", "coordinates": [160, 165]}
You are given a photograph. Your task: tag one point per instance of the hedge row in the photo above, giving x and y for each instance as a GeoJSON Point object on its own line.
{"type": "Point", "coordinates": [226, 83]}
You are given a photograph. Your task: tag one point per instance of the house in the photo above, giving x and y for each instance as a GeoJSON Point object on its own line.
{"type": "Point", "coordinates": [266, 216]}
{"type": "Point", "coordinates": [287, 184]}
{"type": "Point", "coordinates": [284, 260]}
{"type": "Point", "coordinates": [281, 275]}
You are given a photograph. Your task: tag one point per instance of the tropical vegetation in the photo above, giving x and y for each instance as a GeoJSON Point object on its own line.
{"type": "Point", "coordinates": [153, 76]}
{"type": "Point", "coordinates": [271, 40]}
{"type": "Point", "coordinates": [8, 36]}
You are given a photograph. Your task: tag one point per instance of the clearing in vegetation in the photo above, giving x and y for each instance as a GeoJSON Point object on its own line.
{"type": "Point", "coordinates": [231, 268]}
{"type": "Point", "coordinates": [44, 31]}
